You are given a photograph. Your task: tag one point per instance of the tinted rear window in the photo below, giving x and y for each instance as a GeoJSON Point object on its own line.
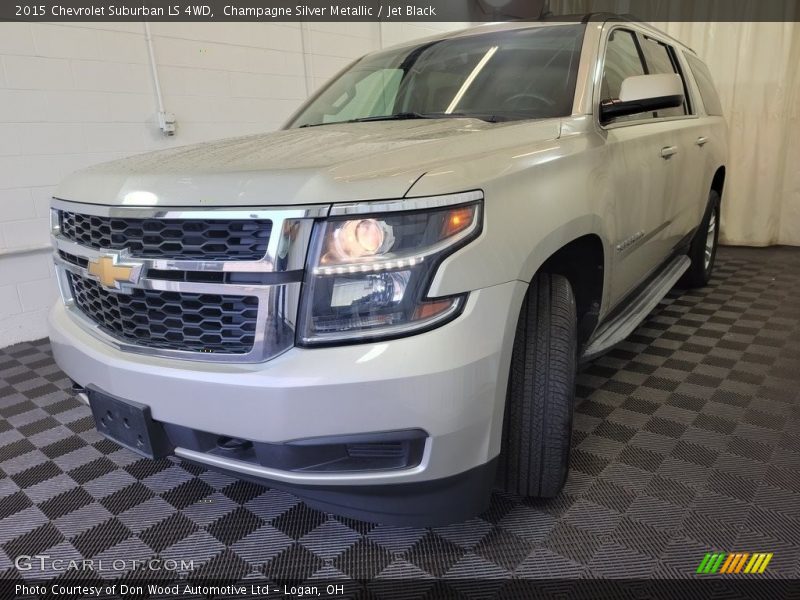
{"type": "Point", "coordinates": [706, 84]}
{"type": "Point", "coordinates": [659, 61]}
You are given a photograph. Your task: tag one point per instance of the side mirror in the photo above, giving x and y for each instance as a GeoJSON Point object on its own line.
{"type": "Point", "coordinates": [644, 93]}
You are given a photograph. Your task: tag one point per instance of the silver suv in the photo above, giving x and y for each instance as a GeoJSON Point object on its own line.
{"type": "Point", "coordinates": [383, 306]}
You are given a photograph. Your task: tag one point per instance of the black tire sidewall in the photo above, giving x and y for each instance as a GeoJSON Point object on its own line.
{"type": "Point", "coordinates": [537, 425]}
{"type": "Point", "coordinates": [698, 274]}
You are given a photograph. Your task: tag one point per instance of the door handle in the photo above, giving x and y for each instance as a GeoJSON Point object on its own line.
{"type": "Point", "coordinates": [701, 141]}
{"type": "Point", "coordinates": [669, 151]}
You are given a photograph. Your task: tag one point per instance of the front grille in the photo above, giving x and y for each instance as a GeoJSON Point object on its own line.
{"type": "Point", "coordinates": [178, 239]}
{"type": "Point", "coordinates": [211, 323]}
{"type": "Point", "coordinates": [78, 261]}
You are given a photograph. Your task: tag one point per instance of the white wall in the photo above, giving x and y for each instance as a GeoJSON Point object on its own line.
{"type": "Point", "coordinates": [72, 95]}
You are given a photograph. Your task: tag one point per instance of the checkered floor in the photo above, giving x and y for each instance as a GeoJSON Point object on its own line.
{"type": "Point", "coordinates": [687, 441]}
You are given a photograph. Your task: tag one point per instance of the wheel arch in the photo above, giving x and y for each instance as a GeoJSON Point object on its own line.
{"type": "Point", "coordinates": [580, 253]}
{"type": "Point", "coordinates": [582, 263]}
{"type": "Point", "coordinates": [718, 181]}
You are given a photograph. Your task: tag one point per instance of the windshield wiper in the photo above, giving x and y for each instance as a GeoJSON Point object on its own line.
{"type": "Point", "coordinates": [394, 117]}
{"type": "Point", "coordinates": [429, 115]}
{"type": "Point", "coordinates": [402, 116]}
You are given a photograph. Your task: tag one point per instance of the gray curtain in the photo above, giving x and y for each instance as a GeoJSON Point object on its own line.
{"type": "Point", "coordinates": [757, 69]}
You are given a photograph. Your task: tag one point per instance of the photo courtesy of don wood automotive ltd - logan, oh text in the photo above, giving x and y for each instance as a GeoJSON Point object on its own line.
{"type": "Point", "coordinates": [399, 299]}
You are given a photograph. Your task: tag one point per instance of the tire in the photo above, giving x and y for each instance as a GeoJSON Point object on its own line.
{"type": "Point", "coordinates": [537, 425]}
{"type": "Point", "coordinates": [701, 254]}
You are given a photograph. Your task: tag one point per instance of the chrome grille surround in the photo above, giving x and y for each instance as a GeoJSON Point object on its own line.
{"type": "Point", "coordinates": [278, 273]}
{"type": "Point", "coordinates": [220, 239]}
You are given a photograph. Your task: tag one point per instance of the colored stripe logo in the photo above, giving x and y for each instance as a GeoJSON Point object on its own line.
{"type": "Point", "coordinates": [728, 563]}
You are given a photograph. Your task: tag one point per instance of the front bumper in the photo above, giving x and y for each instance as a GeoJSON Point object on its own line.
{"type": "Point", "coordinates": [449, 382]}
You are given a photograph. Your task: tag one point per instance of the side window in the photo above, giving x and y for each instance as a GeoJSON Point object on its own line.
{"type": "Point", "coordinates": [660, 61]}
{"type": "Point", "coordinates": [708, 92]}
{"type": "Point", "coordinates": [623, 60]}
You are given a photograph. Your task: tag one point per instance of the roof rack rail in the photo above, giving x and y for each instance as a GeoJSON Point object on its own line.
{"type": "Point", "coordinates": [607, 16]}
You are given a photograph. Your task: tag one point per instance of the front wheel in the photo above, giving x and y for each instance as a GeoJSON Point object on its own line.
{"type": "Point", "coordinates": [537, 425]}
{"type": "Point", "coordinates": [703, 251]}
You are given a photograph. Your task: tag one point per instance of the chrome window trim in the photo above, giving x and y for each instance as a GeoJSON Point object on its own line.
{"type": "Point", "coordinates": [277, 301]}
{"type": "Point", "coordinates": [404, 204]}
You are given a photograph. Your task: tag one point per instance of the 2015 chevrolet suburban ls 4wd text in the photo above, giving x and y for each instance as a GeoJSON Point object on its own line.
{"type": "Point", "coordinates": [382, 307]}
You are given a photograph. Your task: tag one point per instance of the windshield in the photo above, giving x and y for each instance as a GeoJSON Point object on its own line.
{"type": "Point", "coordinates": [498, 76]}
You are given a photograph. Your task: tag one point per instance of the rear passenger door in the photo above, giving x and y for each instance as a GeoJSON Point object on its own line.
{"type": "Point", "coordinates": [686, 172]}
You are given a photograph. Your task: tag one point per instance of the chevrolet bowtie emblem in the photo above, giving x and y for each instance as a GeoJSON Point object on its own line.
{"type": "Point", "coordinates": [111, 274]}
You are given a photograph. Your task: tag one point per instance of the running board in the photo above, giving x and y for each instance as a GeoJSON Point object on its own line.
{"type": "Point", "coordinates": [614, 331]}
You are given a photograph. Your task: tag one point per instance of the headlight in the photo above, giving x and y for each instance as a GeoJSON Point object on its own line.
{"type": "Point", "coordinates": [368, 276]}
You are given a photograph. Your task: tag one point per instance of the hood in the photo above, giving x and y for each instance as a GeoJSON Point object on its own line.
{"type": "Point", "coordinates": [316, 165]}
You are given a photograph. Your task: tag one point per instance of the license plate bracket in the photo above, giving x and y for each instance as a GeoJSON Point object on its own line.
{"type": "Point", "coordinates": [129, 423]}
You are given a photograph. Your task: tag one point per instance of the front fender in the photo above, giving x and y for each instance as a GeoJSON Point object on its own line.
{"type": "Point", "coordinates": [537, 198]}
